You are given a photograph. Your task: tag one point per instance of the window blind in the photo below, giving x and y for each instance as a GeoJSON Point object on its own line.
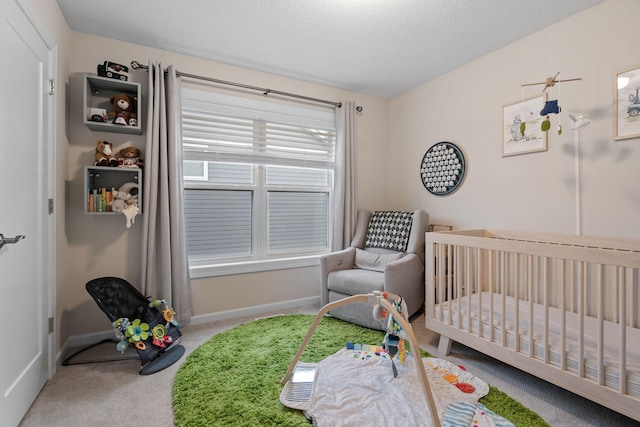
{"type": "Point", "coordinates": [258, 178]}
{"type": "Point", "coordinates": [229, 129]}
{"type": "Point", "coordinates": [218, 223]}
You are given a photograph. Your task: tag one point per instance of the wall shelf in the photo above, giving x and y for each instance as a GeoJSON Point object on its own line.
{"type": "Point", "coordinates": [96, 94]}
{"type": "Point", "coordinates": [99, 180]}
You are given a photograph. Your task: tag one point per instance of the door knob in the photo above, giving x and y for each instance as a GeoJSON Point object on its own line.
{"type": "Point", "coordinates": [6, 240]}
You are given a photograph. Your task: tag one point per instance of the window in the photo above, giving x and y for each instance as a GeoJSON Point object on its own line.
{"type": "Point", "coordinates": [258, 183]}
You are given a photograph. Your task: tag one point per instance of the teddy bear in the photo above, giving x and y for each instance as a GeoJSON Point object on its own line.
{"type": "Point", "coordinates": [130, 158]}
{"type": "Point", "coordinates": [125, 110]}
{"type": "Point", "coordinates": [104, 154]}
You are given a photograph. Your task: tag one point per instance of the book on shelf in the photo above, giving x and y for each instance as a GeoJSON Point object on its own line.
{"type": "Point", "coordinates": [99, 200]}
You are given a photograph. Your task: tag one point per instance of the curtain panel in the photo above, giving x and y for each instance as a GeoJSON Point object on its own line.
{"type": "Point", "coordinates": [346, 194]}
{"type": "Point", "coordinates": [165, 267]}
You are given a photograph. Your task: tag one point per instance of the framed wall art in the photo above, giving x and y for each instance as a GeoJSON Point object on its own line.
{"type": "Point", "coordinates": [521, 126]}
{"type": "Point", "coordinates": [442, 168]}
{"type": "Point", "coordinates": [627, 105]}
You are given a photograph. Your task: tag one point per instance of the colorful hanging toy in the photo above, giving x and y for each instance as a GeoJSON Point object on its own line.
{"type": "Point", "coordinates": [121, 326]}
{"type": "Point", "coordinates": [137, 332]}
{"type": "Point", "coordinates": [394, 339]}
{"type": "Point", "coordinates": [167, 312]}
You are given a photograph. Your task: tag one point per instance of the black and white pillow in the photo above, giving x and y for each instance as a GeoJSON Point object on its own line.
{"type": "Point", "coordinates": [389, 230]}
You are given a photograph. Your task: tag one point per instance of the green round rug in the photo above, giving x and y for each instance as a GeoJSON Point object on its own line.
{"type": "Point", "coordinates": [234, 378]}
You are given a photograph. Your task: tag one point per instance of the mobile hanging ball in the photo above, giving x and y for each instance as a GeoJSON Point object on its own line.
{"type": "Point", "coordinates": [379, 313]}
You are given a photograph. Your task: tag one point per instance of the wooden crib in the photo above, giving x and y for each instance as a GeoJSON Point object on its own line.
{"type": "Point", "coordinates": [563, 308]}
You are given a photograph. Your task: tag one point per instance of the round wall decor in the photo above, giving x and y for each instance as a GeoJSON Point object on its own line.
{"type": "Point", "coordinates": [442, 168]}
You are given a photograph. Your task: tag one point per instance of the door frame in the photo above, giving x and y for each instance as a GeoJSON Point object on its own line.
{"type": "Point", "coordinates": [49, 155]}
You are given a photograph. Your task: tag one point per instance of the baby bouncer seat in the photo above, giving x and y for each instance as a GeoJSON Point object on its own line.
{"type": "Point", "coordinates": [150, 326]}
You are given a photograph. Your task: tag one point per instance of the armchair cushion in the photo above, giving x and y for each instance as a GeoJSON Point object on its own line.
{"type": "Point", "coordinates": [374, 261]}
{"type": "Point", "coordinates": [355, 281]}
{"type": "Point", "coordinates": [389, 230]}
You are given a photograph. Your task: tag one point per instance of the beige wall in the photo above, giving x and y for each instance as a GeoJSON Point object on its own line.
{"type": "Point", "coordinates": [533, 191]}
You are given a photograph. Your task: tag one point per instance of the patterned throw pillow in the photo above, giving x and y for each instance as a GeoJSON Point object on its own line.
{"type": "Point", "coordinates": [389, 230]}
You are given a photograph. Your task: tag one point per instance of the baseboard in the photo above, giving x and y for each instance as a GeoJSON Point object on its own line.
{"type": "Point", "coordinates": [252, 311]}
{"type": "Point", "coordinates": [87, 339]}
{"type": "Point", "coordinates": [84, 339]}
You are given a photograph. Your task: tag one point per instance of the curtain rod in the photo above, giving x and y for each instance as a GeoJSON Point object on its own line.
{"type": "Point", "coordinates": [137, 65]}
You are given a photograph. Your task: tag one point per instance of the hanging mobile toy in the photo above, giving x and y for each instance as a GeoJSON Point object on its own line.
{"type": "Point", "coordinates": [394, 339]}
{"type": "Point", "coordinates": [551, 106]}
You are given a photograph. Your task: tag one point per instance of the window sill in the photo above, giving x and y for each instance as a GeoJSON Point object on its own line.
{"type": "Point", "coordinates": [252, 266]}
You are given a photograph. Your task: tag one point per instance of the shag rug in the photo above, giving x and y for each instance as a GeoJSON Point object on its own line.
{"type": "Point", "coordinates": [234, 378]}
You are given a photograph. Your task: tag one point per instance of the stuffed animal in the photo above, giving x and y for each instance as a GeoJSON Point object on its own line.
{"type": "Point", "coordinates": [125, 201]}
{"type": "Point", "coordinates": [125, 110]}
{"type": "Point", "coordinates": [130, 158]}
{"type": "Point", "coordinates": [120, 199]}
{"type": "Point", "coordinates": [104, 154]}
{"type": "Point", "coordinates": [130, 213]}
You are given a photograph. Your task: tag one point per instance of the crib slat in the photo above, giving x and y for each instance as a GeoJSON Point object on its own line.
{"type": "Point", "coordinates": [563, 310]}
{"type": "Point", "coordinates": [622, 306]}
{"type": "Point", "coordinates": [516, 273]}
{"type": "Point", "coordinates": [449, 281]}
{"type": "Point", "coordinates": [503, 274]}
{"type": "Point", "coordinates": [529, 273]}
{"type": "Point", "coordinates": [468, 275]}
{"type": "Point", "coordinates": [545, 298]}
{"type": "Point", "coordinates": [459, 280]}
{"type": "Point", "coordinates": [601, 296]}
{"type": "Point", "coordinates": [491, 277]}
{"type": "Point", "coordinates": [478, 289]}
{"type": "Point", "coordinates": [439, 284]}
{"type": "Point", "coordinates": [581, 314]}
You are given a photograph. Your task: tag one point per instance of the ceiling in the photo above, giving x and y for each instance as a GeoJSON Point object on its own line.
{"type": "Point", "coordinates": [375, 47]}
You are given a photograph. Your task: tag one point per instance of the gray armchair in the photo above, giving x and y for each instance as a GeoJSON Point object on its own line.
{"type": "Point", "coordinates": [386, 254]}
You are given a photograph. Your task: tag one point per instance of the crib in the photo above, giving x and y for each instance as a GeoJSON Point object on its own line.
{"type": "Point", "coordinates": [563, 308]}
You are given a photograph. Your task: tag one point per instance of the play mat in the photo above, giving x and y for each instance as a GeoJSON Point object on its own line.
{"type": "Point", "coordinates": [383, 385]}
{"type": "Point", "coordinates": [358, 388]}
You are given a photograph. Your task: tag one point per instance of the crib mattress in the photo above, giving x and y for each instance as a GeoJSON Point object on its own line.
{"type": "Point", "coordinates": [456, 313]}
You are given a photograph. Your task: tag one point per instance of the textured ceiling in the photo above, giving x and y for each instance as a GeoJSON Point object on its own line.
{"type": "Point", "coordinates": [375, 47]}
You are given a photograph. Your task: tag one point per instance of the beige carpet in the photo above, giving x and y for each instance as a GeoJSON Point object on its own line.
{"type": "Point", "coordinates": [114, 395]}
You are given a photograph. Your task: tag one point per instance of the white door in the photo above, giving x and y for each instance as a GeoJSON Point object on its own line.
{"type": "Point", "coordinates": [25, 266]}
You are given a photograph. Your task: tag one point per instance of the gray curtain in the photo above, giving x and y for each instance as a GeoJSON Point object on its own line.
{"type": "Point", "coordinates": [346, 197]}
{"type": "Point", "coordinates": [165, 268]}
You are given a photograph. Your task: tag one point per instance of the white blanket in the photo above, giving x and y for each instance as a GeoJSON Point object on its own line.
{"type": "Point", "coordinates": [357, 388]}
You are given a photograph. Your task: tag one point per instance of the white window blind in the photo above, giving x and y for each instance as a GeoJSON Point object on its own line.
{"type": "Point", "coordinates": [268, 181]}
{"type": "Point", "coordinates": [229, 129]}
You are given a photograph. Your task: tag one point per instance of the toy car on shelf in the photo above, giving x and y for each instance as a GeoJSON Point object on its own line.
{"type": "Point", "coordinates": [113, 71]}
